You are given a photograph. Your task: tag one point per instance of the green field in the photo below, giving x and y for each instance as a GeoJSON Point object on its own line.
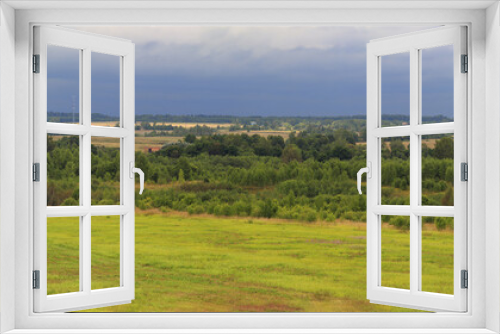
{"type": "Point", "coordinates": [210, 264]}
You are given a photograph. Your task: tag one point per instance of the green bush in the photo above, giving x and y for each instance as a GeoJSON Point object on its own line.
{"type": "Point", "coordinates": [70, 202]}
{"type": "Point", "coordinates": [442, 223]}
{"type": "Point", "coordinates": [106, 202]}
{"type": "Point", "coordinates": [400, 222]}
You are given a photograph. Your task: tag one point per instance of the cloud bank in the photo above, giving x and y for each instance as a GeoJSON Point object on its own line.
{"type": "Point", "coordinates": [256, 70]}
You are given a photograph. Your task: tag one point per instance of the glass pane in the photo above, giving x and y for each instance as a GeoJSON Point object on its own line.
{"type": "Point", "coordinates": [63, 84]}
{"type": "Point", "coordinates": [105, 252]}
{"type": "Point", "coordinates": [105, 90]}
{"type": "Point", "coordinates": [105, 171]}
{"type": "Point", "coordinates": [437, 84]}
{"type": "Point", "coordinates": [396, 171]}
{"type": "Point", "coordinates": [437, 254]}
{"type": "Point", "coordinates": [395, 89]}
{"type": "Point", "coordinates": [437, 170]}
{"type": "Point", "coordinates": [63, 255]}
{"type": "Point", "coordinates": [63, 170]}
{"type": "Point", "coordinates": [395, 251]}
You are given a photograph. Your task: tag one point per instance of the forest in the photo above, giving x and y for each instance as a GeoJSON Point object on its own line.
{"type": "Point", "coordinates": [308, 176]}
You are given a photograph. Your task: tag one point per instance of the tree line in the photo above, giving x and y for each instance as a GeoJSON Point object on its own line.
{"type": "Point", "coordinates": [309, 176]}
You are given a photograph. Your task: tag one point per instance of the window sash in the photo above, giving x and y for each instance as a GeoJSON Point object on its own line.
{"type": "Point", "coordinates": [413, 43]}
{"type": "Point", "coordinates": [87, 43]}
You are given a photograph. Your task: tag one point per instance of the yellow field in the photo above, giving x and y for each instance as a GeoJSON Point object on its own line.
{"type": "Point", "coordinates": [263, 133]}
{"type": "Point", "coordinates": [190, 125]}
{"type": "Point", "coordinates": [108, 123]}
{"type": "Point", "coordinates": [429, 142]}
{"type": "Point", "coordinates": [185, 125]}
{"type": "Point", "coordinates": [141, 143]}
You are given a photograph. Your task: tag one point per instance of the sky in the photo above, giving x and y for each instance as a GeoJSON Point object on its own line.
{"type": "Point", "coordinates": [252, 71]}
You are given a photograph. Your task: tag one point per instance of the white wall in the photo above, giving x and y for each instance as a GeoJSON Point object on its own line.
{"type": "Point", "coordinates": [492, 149]}
{"type": "Point", "coordinates": [7, 163]}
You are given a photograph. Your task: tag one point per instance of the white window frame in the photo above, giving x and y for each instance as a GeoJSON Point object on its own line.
{"type": "Point", "coordinates": [483, 102]}
{"type": "Point", "coordinates": [413, 44]}
{"type": "Point", "coordinates": [86, 44]}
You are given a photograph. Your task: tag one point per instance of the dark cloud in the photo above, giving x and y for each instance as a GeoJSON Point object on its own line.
{"type": "Point", "coordinates": [319, 71]}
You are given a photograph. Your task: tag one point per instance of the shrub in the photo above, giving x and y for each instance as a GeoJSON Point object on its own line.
{"type": "Point", "coordinates": [70, 202]}
{"type": "Point", "coordinates": [400, 222]}
{"type": "Point", "coordinates": [307, 214]}
{"type": "Point", "coordinates": [195, 209]}
{"type": "Point", "coordinates": [440, 223]}
{"type": "Point", "coordinates": [386, 219]}
{"type": "Point", "coordinates": [106, 202]}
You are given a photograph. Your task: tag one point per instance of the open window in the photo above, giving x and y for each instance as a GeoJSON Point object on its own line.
{"type": "Point", "coordinates": [78, 270]}
{"type": "Point", "coordinates": [416, 51]}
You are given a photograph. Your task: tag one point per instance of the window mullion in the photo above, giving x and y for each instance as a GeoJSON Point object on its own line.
{"type": "Point", "coordinates": [86, 165]}
{"type": "Point", "coordinates": [414, 171]}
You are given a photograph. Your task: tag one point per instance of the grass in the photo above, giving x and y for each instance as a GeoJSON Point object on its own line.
{"type": "Point", "coordinates": [208, 264]}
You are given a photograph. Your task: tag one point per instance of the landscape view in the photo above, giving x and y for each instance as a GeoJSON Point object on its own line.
{"type": "Point", "coordinates": [250, 215]}
{"type": "Point", "coordinates": [250, 139]}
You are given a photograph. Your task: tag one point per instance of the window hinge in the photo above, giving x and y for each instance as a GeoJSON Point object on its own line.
{"type": "Point", "coordinates": [36, 279]}
{"type": "Point", "coordinates": [36, 63]}
{"type": "Point", "coordinates": [36, 172]}
{"type": "Point", "coordinates": [464, 171]}
{"type": "Point", "coordinates": [465, 64]}
{"type": "Point", "coordinates": [465, 279]}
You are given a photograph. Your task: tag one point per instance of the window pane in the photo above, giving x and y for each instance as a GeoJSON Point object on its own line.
{"type": "Point", "coordinates": [105, 171]}
{"type": "Point", "coordinates": [437, 84]}
{"type": "Point", "coordinates": [63, 84]}
{"type": "Point", "coordinates": [437, 254]}
{"type": "Point", "coordinates": [396, 171]}
{"type": "Point", "coordinates": [437, 170]}
{"type": "Point", "coordinates": [63, 170]}
{"type": "Point", "coordinates": [63, 255]}
{"type": "Point", "coordinates": [105, 252]}
{"type": "Point", "coordinates": [396, 251]}
{"type": "Point", "coordinates": [395, 90]}
{"type": "Point", "coordinates": [105, 89]}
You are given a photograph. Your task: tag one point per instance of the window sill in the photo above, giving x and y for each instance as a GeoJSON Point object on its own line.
{"type": "Point", "coordinates": [251, 331]}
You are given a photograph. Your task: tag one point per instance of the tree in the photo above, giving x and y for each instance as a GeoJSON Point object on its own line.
{"type": "Point", "coordinates": [449, 175]}
{"type": "Point", "coordinates": [447, 199]}
{"type": "Point", "coordinates": [268, 208]}
{"type": "Point", "coordinates": [444, 148]}
{"type": "Point", "coordinates": [185, 167]}
{"type": "Point", "coordinates": [181, 176]}
{"type": "Point", "coordinates": [398, 149]}
{"type": "Point", "coordinates": [291, 153]}
{"type": "Point", "coordinates": [190, 138]}
{"type": "Point", "coordinates": [341, 150]}
{"type": "Point", "coordinates": [145, 125]}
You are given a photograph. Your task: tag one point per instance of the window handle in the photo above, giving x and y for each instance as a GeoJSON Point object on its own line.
{"type": "Point", "coordinates": [134, 170]}
{"type": "Point", "coordinates": [368, 171]}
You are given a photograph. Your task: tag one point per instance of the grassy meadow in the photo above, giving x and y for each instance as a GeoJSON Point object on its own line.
{"type": "Point", "coordinates": [202, 263]}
